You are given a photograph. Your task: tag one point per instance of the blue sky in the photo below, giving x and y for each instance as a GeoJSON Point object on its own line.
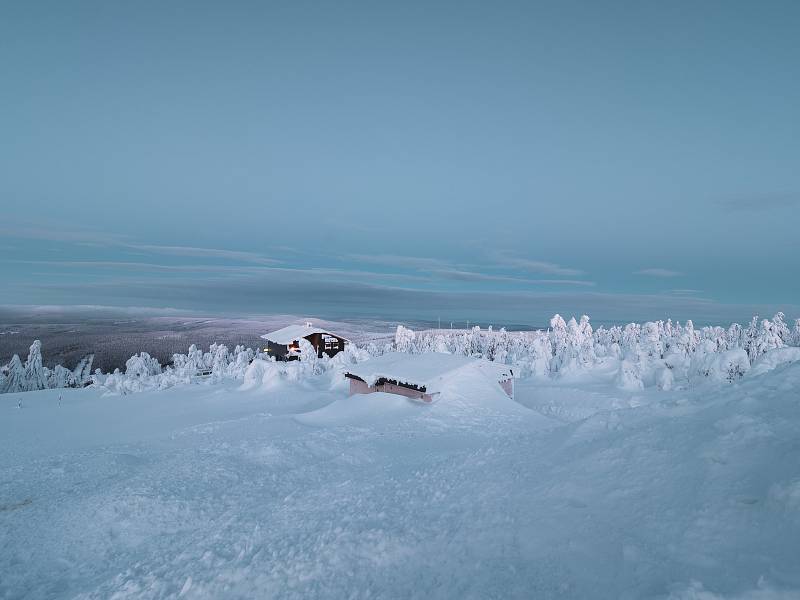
{"type": "Point", "coordinates": [625, 159]}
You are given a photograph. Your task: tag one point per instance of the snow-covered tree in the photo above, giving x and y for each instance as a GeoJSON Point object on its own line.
{"type": "Point", "coordinates": [404, 339]}
{"type": "Point", "coordinates": [558, 342]}
{"type": "Point", "coordinates": [629, 377]}
{"type": "Point", "coordinates": [781, 329]}
{"type": "Point", "coordinates": [15, 376]}
{"type": "Point", "coordinates": [142, 365]}
{"type": "Point", "coordinates": [749, 338]}
{"type": "Point", "coordinates": [768, 338]}
{"type": "Point", "coordinates": [61, 377]}
{"type": "Point", "coordinates": [308, 358]}
{"type": "Point", "coordinates": [734, 336]}
{"type": "Point", "coordinates": [220, 359]}
{"type": "Point", "coordinates": [35, 374]}
{"type": "Point", "coordinates": [82, 373]}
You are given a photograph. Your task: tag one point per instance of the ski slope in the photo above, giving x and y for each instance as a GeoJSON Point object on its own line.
{"type": "Point", "coordinates": [575, 490]}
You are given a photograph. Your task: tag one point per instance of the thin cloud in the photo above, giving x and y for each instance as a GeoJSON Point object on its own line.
{"type": "Point", "coordinates": [223, 270]}
{"type": "Point", "coordinates": [196, 252]}
{"type": "Point", "coordinates": [399, 261]}
{"type": "Point", "coordinates": [506, 260]}
{"type": "Point", "coordinates": [98, 239]}
{"type": "Point", "coordinates": [658, 272]}
{"type": "Point", "coordinates": [684, 292]}
{"type": "Point", "coordinates": [460, 275]}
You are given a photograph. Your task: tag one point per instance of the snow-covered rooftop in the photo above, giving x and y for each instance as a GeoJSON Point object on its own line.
{"type": "Point", "coordinates": [293, 333]}
{"type": "Point", "coordinates": [427, 370]}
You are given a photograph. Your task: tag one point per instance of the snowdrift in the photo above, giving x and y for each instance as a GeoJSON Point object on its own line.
{"type": "Point", "coordinates": [362, 409]}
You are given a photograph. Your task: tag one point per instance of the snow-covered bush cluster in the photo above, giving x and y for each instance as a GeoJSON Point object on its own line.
{"type": "Point", "coordinates": [143, 372]}
{"type": "Point", "coordinates": [658, 353]}
{"type": "Point", "coordinates": [31, 375]}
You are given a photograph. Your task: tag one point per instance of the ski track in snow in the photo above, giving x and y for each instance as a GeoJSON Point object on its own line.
{"type": "Point", "coordinates": [577, 490]}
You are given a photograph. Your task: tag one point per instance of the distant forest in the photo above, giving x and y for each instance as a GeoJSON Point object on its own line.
{"type": "Point", "coordinates": [114, 341]}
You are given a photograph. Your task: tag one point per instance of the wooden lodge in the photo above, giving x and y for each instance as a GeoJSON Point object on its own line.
{"type": "Point", "coordinates": [284, 344]}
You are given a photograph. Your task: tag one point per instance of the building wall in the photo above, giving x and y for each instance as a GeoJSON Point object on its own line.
{"type": "Point", "coordinates": [280, 351]}
{"type": "Point", "coordinates": [317, 340]}
{"type": "Point", "coordinates": [360, 387]}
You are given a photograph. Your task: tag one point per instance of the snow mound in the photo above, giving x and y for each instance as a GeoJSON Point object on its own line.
{"type": "Point", "coordinates": [430, 370]}
{"type": "Point", "coordinates": [362, 409]}
{"type": "Point", "coordinates": [773, 359]}
{"type": "Point", "coordinates": [261, 373]}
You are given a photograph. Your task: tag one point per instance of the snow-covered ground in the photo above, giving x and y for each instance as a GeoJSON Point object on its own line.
{"type": "Point", "coordinates": [575, 489]}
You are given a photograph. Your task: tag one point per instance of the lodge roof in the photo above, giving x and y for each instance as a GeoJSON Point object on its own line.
{"type": "Point", "coordinates": [293, 333]}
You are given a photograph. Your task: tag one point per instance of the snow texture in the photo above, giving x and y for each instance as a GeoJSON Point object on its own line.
{"type": "Point", "coordinates": [278, 485]}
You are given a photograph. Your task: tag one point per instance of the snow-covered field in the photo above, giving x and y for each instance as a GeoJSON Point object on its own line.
{"type": "Point", "coordinates": [577, 489]}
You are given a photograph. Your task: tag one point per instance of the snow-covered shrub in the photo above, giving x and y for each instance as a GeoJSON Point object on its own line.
{"type": "Point", "coordinates": [629, 377]}
{"type": "Point", "coordinates": [664, 378]}
{"type": "Point", "coordinates": [260, 372]}
{"type": "Point", "coordinates": [729, 366]}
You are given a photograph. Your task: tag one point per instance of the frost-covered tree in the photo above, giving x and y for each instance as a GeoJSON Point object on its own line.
{"type": "Point", "coordinates": [558, 342]}
{"type": "Point", "coordinates": [652, 340]}
{"type": "Point", "coordinates": [781, 329]}
{"type": "Point", "coordinates": [749, 338]}
{"type": "Point", "coordinates": [586, 339]}
{"type": "Point", "coordinates": [734, 336]}
{"type": "Point", "coordinates": [541, 353]}
{"type": "Point", "coordinates": [404, 339]}
{"type": "Point", "coordinates": [768, 338]}
{"type": "Point", "coordinates": [61, 377]}
{"type": "Point", "coordinates": [15, 376]}
{"type": "Point", "coordinates": [629, 377]}
{"type": "Point", "coordinates": [220, 359]}
{"type": "Point", "coordinates": [82, 373]}
{"type": "Point", "coordinates": [36, 375]}
{"type": "Point", "coordinates": [308, 358]}
{"type": "Point", "coordinates": [687, 339]}
{"type": "Point", "coordinates": [142, 365]}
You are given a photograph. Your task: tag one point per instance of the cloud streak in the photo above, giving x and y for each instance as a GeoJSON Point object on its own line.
{"type": "Point", "coordinates": [658, 272]}
{"type": "Point", "coordinates": [196, 252]}
{"type": "Point", "coordinates": [506, 260]}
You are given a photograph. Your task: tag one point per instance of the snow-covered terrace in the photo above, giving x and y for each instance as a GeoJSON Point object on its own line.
{"type": "Point", "coordinates": [425, 372]}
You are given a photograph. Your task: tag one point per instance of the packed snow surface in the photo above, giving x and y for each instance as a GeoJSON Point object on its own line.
{"type": "Point", "coordinates": [432, 370]}
{"type": "Point", "coordinates": [291, 489]}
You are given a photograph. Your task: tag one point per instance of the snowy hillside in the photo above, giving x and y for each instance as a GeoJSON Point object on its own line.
{"type": "Point", "coordinates": [282, 486]}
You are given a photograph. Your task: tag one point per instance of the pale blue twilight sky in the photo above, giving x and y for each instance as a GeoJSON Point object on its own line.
{"type": "Point", "coordinates": [494, 161]}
